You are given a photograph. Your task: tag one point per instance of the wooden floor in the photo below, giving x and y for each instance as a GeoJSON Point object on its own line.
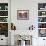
{"type": "Point", "coordinates": [3, 45]}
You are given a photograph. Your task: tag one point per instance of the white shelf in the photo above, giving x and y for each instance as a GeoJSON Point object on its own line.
{"type": "Point", "coordinates": [42, 16]}
{"type": "Point", "coordinates": [41, 10]}
{"type": "Point", "coordinates": [41, 22]}
{"type": "Point", "coordinates": [3, 10]}
{"type": "Point", "coordinates": [41, 28]}
{"type": "Point", "coordinates": [3, 22]}
{"type": "Point", "coordinates": [3, 16]}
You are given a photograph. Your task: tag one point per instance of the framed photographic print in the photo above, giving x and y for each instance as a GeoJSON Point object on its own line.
{"type": "Point", "coordinates": [22, 14]}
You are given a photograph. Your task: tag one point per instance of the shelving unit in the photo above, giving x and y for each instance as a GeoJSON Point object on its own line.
{"type": "Point", "coordinates": [42, 19]}
{"type": "Point", "coordinates": [4, 19]}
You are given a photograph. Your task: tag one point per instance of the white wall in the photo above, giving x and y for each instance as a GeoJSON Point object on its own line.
{"type": "Point", "coordinates": [23, 25]}
{"type": "Point", "coordinates": [24, 5]}
{"type": "Point", "coordinates": [32, 6]}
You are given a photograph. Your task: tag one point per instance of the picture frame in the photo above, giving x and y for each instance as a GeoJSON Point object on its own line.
{"type": "Point", "coordinates": [22, 14]}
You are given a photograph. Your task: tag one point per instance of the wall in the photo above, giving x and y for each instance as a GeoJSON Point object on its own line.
{"type": "Point", "coordinates": [24, 5]}
{"type": "Point", "coordinates": [32, 6]}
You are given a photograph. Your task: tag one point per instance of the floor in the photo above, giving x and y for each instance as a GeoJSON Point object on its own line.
{"type": "Point", "coordinates": [3, 45]}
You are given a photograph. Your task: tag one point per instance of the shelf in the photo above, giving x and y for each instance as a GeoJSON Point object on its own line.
{"type": "Point", "coordinates": [4, 19]}
{"type": "Point", "coordinates": [42, 19]}
{"type": "Point", "coordinates": [41, 22]}
{"type": "Point", "coordinates": [3, 16]}
{"type": "Point", "coordinates": [42, 16]}
{"type": "Point", "coordinates": [41, 10]}
{"type": "Point", "coordinates": [3, 22]}
{"type": "Point", "coordinates": [41, 28]}
{"type": "Point", "coordinates": [3, 10]}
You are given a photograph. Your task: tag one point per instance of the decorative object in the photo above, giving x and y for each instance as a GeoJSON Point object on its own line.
{"type": "Point", "coordinates": [42, 32]}
{"type": "Point", "coordinates": [43, 13]}
{"type": "Point", "coordinates": [43, 25]}
{"type": "Point", "coordinates": [23, 40]}
{"type": "Point", "coordinates": [22, 14]}
{"type": "Point", "coordinates": [31, 27]}
{"type": "Point", "coordinates": [4, 26]}
{"type": "Point", "coordinates": [3, 13]}
{"type": "Point", "coordinates": [4, 29]}
{"type": "Point", "coordinates": [13, 27]}
{"type": "Point", "coordinates": [41, 6]}
{"type": "Point", "coordinates": [6, 7]}
{"type": "Point", "coordinates": [3, 19]}
{"type": "Point", "coordinates": [41, 19]}
{"type": "Point", "coordinates": [0, 7]}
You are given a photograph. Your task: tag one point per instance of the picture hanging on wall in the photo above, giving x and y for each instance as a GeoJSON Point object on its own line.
{"type": "Point", "coordinates": [22, 14]}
